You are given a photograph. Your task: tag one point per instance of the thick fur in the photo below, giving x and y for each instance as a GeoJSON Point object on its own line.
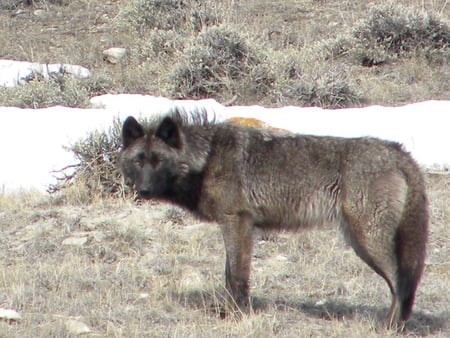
{"type": "Point", "coordinates": [244, 178]}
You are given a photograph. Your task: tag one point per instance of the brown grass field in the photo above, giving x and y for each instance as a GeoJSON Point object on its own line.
{"type": "Point", "coordinates": [124, 269]}
{"type": "Point", "coordinates": [151, 270]}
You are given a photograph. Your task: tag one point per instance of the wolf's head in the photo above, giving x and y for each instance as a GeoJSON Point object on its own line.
{"type": "Point", "coordinates": [164, 161]}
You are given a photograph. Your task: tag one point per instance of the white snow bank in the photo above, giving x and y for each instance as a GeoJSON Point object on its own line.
{"type": "Point", "coordinates": [421, 127]}
{"type": "Point", "coordinates": [14, 73]}
{"type": "Point", "coordinates": [145, 105]}
{"type": "Point", "coordinates": [31, 141]}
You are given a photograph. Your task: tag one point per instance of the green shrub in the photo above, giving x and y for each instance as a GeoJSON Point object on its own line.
{"type": "Point", "coordinates": [219, 63]}
{"type": "Point", "coordinates": [392, 31]}
{"type": "Point", "coordinates": [57, 90]}
{"type": "Point", "coordinates": [325, 87]}
{"type": "Point", "coordinates": [400, 29]}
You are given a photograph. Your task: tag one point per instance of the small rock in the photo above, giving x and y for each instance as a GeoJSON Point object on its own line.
{"type": "Point", "coordinates": [124, 214]}
{"type": "Point", "coordinates": [114, 55]}
{"type": "Point", "coordinates": [39, 13]}
{"type": "Point", "coordinates": [321, 302]}
{"type": "Point", "coordinates": [144, 295]}
{"type": "Point", "coordinates": [281, 258]}
{"type": "Point", "coordinates": [20, 13]}
{"type": "Point", "coordinates": [76, 328]}
{"type": "Point", "coordinates": [9, 314]}
{"type": "Point", "coordinates": [75, 241]}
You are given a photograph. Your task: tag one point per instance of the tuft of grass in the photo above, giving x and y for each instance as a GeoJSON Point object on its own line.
{"type": "Point", "coordinates": [127, 241]}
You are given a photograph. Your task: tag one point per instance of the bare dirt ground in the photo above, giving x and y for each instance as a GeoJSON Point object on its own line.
{"type": "Point", "coordinates": [128, 270]}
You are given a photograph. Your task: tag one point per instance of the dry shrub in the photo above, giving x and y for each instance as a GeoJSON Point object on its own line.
{"type": "Point", "coordinates": [218, 63]}
{"type": "Point", "coordinates": [328, 91]}
{"type": "Point", "coordinates": [57, 90]}
{"type": "Point", "coordinates": [400, 29]}
{"type": "Point", "coordinates": [160, 31]}
{"type": "Point", "coordinates": [40, 93]}
{"type": "Point", "coordinates": [44, 3]}
{"type": "Point", "coordinates": [177, 15]}
{"type": "Point", "coordinates": [392, 31]}
{"type": "Point", "coordinates": [162, 43]}
{"type": "Point", "coordinates": [96, 172]}
{"type": "Point", "coordinates": [8, 5]}
{"type": "Point", "coordinates": [140, 15]}
{"type": "Point", "coordinates": [302, 81]}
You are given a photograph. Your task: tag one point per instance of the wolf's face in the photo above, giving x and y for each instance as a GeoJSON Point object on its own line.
{"type": "Point", "coordinates": [152, 161]}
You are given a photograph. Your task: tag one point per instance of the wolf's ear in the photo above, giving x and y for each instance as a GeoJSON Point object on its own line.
{"type": "Point", "coordinates": [131, 131]}
{"type": "Point", "coordinates": [169, 132]}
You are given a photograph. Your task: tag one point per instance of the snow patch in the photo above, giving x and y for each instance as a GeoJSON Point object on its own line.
{"type": "Point", "coordinates": [32, 140]}
{"type": "Point", "coordinates": [14, 73]}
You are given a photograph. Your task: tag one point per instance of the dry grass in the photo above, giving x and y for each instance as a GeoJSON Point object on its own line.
{"type": "Point", "coordinates": [152, 270]}
{"type": "Point", "coordinates": [322, 53]}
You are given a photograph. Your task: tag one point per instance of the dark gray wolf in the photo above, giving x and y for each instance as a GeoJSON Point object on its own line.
{"type": "Point", "coordinates": [244, 178]}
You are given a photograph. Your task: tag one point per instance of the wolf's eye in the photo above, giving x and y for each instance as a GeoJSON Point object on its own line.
{"type": "Point", "coordinates": [139, 160]}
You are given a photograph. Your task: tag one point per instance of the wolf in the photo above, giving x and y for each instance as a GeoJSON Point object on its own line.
{"type": "Point", "coordinates": [245, 178]}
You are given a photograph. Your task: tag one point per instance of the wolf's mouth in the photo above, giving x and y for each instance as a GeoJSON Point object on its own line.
{"type": "Point", "coordinates": [144, 194]}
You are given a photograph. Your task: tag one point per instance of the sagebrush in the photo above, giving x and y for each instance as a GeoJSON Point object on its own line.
{"type": "Point", "coordinates": [96, 167]}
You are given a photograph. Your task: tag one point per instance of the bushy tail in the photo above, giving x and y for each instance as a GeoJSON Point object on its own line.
{"type": "Point", "coordinates": [411, 240]}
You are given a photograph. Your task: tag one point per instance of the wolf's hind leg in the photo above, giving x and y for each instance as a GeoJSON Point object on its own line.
{"type": "Point", "coordinates": [389, 236]}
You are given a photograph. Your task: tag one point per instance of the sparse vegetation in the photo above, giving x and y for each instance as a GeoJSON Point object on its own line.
{"type": "Point", "coordinates": [150, 269]}
{"type": "Point", "coordinates": [182, 16]}
{"type": "Point", "coordinates": [349, 54]}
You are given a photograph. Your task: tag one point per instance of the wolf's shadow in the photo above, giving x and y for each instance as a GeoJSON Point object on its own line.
{"type": "Point", "coordinates": [420, 323]}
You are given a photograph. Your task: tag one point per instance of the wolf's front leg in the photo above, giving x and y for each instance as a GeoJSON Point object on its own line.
{"type": "Point", "coordinates": [237, 235]}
